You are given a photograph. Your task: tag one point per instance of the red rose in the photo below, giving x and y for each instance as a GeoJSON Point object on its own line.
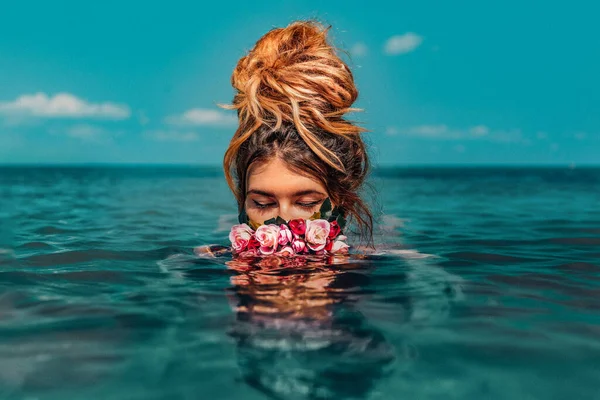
{"type": "Point", "coordinates": [329, 245]}
{"type": "Point", "coordinates": [297, 226]}
{"type": "Point", "coordinates": [334, 230]}
{"type": "Point", "coordinates": [253, 243]}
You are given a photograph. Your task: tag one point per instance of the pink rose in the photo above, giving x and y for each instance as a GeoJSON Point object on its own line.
{"type": "Point", "coordinates": [334, 229]}
{"type": "Point", "coordinates": [317, 232]}
{"type": "Point", "coordinates": [298, 226]}
{"type": "Point", "coordinates": [298, 245]}
{"type": "Point", "coordinates": [268, 238]}
{"type": "Point", "coordinates": [240, 236]}
{"type": "Point", "coordinates": [339, 247]}
{"type": "Point", "coordinates": [285, 235]}
{"type": "Point", "coordinates": [287, 251]}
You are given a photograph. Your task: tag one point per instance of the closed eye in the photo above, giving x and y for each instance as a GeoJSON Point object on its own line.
{"type": "Point", "coordinates": [263, 205]}
{"type": "Point", "coordinates": [310, 204]}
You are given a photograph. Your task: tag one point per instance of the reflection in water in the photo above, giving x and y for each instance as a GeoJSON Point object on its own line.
{"type": "Point", "coordinates": [298, 332]}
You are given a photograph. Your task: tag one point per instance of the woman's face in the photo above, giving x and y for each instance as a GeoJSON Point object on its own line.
{"type": "Point", "coordinates": [275, 190]}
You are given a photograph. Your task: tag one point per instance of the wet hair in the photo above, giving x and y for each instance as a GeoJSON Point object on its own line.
{"type": "Point", "coordinates": [292, 92]}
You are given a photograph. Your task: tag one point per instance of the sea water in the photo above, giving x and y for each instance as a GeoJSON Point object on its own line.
{"type": "Point", "coordinates": [485, 285]}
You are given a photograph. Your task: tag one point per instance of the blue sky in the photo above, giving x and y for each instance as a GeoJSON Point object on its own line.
{"type": "Point", "coordinates": [463, 82]}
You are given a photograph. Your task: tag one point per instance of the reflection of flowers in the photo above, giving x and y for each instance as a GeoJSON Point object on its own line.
{"type": "Point", "coordinates": [298, 236]}
{"type": "Point", "coordinates": [297, 332]}
{"type": "Point", "coordinates": [286, 251]}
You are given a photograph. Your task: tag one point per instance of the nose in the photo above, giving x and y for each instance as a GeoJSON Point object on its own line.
{"type": "Point", "coordinates": [287, 212]}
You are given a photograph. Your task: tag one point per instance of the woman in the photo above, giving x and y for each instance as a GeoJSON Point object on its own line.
{"type": "Point", "coordinates": [293, 148]}
{"type": "Point", "coordinates": [297, 333]}
{"type": "Point", "coordinates": [301, 329]}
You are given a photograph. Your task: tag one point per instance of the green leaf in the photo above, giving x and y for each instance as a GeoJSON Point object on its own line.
{"type": "Point", "coordinates": [243, 217]}
{"type": "Point", "coordinates": [334, 214]}
{"type": "Point", "coordinates": [280, 220]}
{"type": "Point", "coordinates": [270, 221]}
{"type": "Point", "coordinates": [325, 207]}
{"type": "Point", "coordinates": [341, 221]}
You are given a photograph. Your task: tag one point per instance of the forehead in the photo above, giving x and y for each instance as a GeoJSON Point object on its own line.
{"type": "Point", "coordinates": [276, 177]}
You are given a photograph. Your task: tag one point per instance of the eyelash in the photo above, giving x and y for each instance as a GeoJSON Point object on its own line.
{"type": "Point", "coordinates": [303, 205]}
{"type": "Point", "coordinates": [310, 205]}
{"type": "Point", "coordinates": [262, 206]}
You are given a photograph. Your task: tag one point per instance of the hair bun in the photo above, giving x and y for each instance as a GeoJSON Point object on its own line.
{"type": "Point", "coordinates": [294, 75]}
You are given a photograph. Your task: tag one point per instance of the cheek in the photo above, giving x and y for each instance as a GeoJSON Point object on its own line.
{"type": "Point", "coordinates": [255, 216]}
{"type": "Point", "coordinates": [260, 215]}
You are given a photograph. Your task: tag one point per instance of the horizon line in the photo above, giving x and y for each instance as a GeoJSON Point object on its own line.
{"type": "Point", "coordinates": [374, 167]}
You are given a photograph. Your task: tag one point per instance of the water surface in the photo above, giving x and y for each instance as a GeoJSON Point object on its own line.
{"type": "Point", "coordinates": [489, 287]}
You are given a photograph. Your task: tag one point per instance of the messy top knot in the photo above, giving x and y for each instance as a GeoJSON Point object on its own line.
{"type": "Point", "coordinates": [293, 80]}
{"type": "Point", "coordinates": [294, 75]}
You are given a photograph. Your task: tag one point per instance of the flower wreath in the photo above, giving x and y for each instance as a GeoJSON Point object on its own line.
{"type": "Point", "coordinates": [320, 234]}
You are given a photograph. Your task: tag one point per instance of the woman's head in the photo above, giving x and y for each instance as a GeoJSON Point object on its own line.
{"type": "Point", "coordinates": [293, 148]}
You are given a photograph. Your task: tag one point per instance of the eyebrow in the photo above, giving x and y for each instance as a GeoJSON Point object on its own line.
{"type": "Point", "coordinates": [299, 193]}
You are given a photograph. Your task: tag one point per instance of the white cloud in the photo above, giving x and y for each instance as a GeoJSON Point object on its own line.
{"type": "Point", "coordinates": [429, 131]}
{"type": "Point", "coordinates": [479, 130]}
{"type": "Point", "coordinates": [402, 44]}
{"type": "Point", "coordinates": [172, 136]}
{"type": "Point", "coordinates": [443, 132]}
{"type": "Point", "coordinates": [359, 49]}
{"type": "Point", "coordinates": [62, 105]}
{"type": "Point", "coordinates": [203, 117]}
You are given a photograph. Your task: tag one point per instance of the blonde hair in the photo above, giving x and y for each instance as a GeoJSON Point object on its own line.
{"type": "Point", "coordinates": [293, 82]}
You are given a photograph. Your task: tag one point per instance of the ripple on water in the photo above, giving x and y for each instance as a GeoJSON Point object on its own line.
{"type": "Point", "coordinates": [51, 230]}
{"type": "Point", "coordinates": [579, 267]}
{"type": "Point", "coordinates": [91, 255]}
{"type": "Point", "coordinates": [36, 246]}
{"type": "Point", "coordinates": [492, 258]}
{"type": "Point", "coordinates": [115, 305]}
{"type": "Point", "coordinates": [577, 241]}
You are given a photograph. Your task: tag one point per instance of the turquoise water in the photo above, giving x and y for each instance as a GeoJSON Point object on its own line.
{"type": "Point", "coordinates": [486, 285]}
